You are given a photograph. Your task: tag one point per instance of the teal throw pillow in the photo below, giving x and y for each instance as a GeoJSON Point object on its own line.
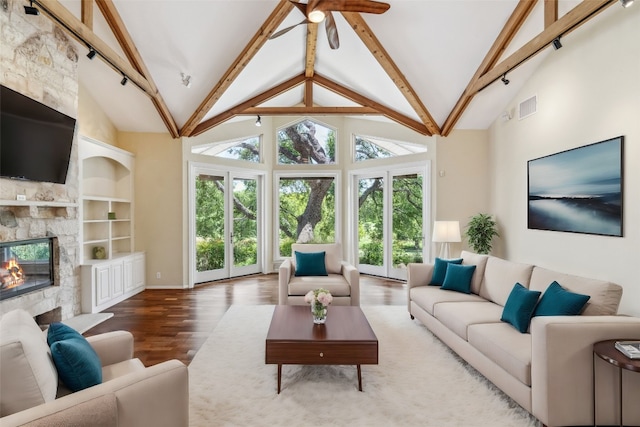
{"type": "Point", "coordinates": [310, 264]}
{"type": "Point", "coordinates": [519, 307]}
{"type": "Point", "coordinates": [440, 270]}
{"type": "Point", "coordinates": [557, 301]}
{"type": "Point", "coordinates": [458, 278]}
{"type": "Point", "coordinates": [77, 363]}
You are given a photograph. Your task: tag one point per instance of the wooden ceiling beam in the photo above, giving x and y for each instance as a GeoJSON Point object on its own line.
{"type": "Point", "coordinates": [577, 16]}
{"type": "Point", "coordinates": [550, 12]}
{"type": "Point", "coordinates": [86, 13]}
{"type": "Point", "coordinates": [259, 39]}
{"type": "Point", "coordinates": [308, 93]}
{"type": "Point", "coordinates": [510, 29]}
{"type": "Point", "coordinates": [415, 125]}
{"type": "Point", "coordinates": [384, 59]}
{"type": "Point", "coordinates": [304, 110]}
{"type": "Point", "coordinates": [84, 35]}
{"type": "Point", "coordinates": [111, 15]}
{"type": "Point", "coordinates": [312, 41]}
{"type": "Point", "coordinates": [256, 100]}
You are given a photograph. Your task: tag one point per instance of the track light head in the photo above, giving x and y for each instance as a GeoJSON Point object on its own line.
{"type": "Point", "coordinates": [556, 43]}
{"type": "Point", "coordinates": [124, 80]}
{"type": "Point", "coordinates": [504, 79]}
{"type": "Point", "coordinates": [30, 10]}
{"type": "Point", "coordinates": [626, 3]}
{"type": "Point", "coordinates": [91, 53]}
{"type": "Point", "coordinates": [258, 122]}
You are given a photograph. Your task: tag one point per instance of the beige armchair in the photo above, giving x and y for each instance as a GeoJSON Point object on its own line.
{"type": "Point", "coordinates": [343, 279]}
{"type": "Point", "coordinates": [130, 394]}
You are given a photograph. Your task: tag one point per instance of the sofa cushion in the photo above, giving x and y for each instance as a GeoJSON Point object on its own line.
{"type": "Point", "coordinates": [310, 264]}
{"type": "Point", "coordinates": [499, 277]}
{"type": "Point", "coordinates": [333, 254]}
{"type": "Point", "coordinates": [480, 261]}
{"type": "Point", "coordinates": [519, 307]}
{"type": "Point", "coordinates": [76, 361]}
{"type": "Point", "coordinates": [428, 296]}
{"type": "Point", "coordinates": [334, 283]}
{"type": "Point", "coordinates": [458, 278]}
{"type": "Point", "coordinates": [557, 301]}
{"type": "Point", "coordinates": [29, 377]}
{"type": "Point", "coordinates": [458, 316]}
{"type": "Point", "coordinates": [440, 270]}
{"type": "Point", "coordinates": [605, 296]}
{"type": "Point", "coordinates": [505, 346]}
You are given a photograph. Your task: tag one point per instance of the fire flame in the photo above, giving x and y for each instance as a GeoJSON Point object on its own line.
{"type": "Point", "coordinates": [11, 274]}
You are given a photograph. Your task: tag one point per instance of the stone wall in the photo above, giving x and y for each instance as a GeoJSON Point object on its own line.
{"type": "Point", "coordinates": [41, 61]}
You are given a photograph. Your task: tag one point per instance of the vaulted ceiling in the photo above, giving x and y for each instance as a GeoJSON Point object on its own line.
{"type": "Point", "coordinates": [432, 65]}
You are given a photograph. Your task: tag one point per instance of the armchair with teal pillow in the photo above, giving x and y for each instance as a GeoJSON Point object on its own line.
{"type": "Point", "coordinates": [318, 265]}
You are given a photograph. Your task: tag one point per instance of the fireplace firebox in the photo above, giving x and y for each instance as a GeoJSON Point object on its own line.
{"type": "Point", "coordinates": [25, 266]}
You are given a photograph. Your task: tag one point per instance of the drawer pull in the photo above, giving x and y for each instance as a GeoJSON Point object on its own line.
{"type": "Point", "coordinates": [321, 354]}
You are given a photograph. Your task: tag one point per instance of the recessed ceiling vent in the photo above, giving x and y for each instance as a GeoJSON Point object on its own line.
{"type": "Point", "coordinates": [527, 107]}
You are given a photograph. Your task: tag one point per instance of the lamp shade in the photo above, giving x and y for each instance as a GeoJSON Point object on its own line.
{"type": "Point", "coordinates": [446, 231]}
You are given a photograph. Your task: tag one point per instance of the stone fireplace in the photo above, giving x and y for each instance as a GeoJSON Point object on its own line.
{"type": "Point", "coordinates": [40, 61]}
{"type": "Point", "coordinates": [27, 265]}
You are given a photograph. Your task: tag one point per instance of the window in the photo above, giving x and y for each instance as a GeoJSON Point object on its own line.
{"type": "Point", "coordinates": [247, 149]}
{"type": "Point", "coordinates": [307, 211]}
{"type": "Point", "coordinates": [369, 148]}
{"type": "Point", "coordinates": [306, 142]}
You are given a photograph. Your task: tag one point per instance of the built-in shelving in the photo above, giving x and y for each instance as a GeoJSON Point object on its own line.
{"type": "Point", "coordinates": [106, 212]}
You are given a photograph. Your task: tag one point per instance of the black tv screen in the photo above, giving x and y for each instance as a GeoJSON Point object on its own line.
{"type": "Point", "coordinates": [35, 140]}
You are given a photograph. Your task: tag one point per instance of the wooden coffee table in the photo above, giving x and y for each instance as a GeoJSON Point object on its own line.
{"type": "Point", "coordinates": [345, 339]}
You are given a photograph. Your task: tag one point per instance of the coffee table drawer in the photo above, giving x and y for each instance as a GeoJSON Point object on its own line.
{"type": "Point", "coordinates": [362, 353]}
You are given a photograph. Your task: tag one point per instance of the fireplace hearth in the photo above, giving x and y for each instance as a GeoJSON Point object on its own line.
{"type": "Point", "coordinates": [26, 266]}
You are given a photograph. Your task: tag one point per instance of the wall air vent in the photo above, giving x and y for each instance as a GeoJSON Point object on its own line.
{"type": "Point", "coordinates": [527, 107]}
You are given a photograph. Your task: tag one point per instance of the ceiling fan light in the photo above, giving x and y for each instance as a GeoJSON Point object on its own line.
{"type": "Point", "coordinates": [626, 3]}
{"type": "Point", "coordinates": [316, 16]}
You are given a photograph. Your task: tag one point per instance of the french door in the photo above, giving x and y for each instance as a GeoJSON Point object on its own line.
{"type": "Point", "coordinates": [226, 217]}
{"type": "Point", "coordinates": [391, 218]}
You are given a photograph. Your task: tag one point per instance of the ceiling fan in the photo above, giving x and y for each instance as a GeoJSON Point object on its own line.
{"type": "Point", "coordinates": [316, 11]}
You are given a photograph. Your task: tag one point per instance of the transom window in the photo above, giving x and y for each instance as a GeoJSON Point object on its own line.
{"type": "Point", "coordinates": [369, 148]}
{"type": "Point", "coordinates": [306, 142]}
{"type": "Point", "coordinates": [247, 149]}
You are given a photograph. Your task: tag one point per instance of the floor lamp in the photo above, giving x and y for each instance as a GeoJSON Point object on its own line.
{"type": "Point", "coordinates": [445, 232]}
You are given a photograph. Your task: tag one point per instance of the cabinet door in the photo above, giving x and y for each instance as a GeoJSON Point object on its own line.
{"type": "Point", "coordinates": [117, 279]}
{"type": "Point", "coordinates": [138, 271]}
{"type": "Point", "coordinates": [103, 284]}
{"type": "Point", "coordinates": [128, 274]}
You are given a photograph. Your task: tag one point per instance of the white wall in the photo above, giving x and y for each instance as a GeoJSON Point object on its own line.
{"type": "Point", "coordinates": [588, 91]}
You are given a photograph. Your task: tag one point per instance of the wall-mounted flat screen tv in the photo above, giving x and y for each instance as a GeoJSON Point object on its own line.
{"type": "Point", "coordinates": [35, 140]}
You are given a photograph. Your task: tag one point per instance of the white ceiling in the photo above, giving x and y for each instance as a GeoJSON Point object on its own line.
{"type": "Point", "coordinates": [437, 44]}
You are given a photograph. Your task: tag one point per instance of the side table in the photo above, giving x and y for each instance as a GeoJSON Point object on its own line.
{"type": "Point", "coordinates": [607, 351]}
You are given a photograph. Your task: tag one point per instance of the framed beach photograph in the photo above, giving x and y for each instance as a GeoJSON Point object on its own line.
{"type": "Point", "coordinates": [578, 190]}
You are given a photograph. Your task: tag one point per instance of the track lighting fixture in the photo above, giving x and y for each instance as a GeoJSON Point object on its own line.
{"type": "Point", "coordinates": [124, 80]}
{"type": "Point", "coordinates": [258, 122]}
{"type": "Point", "coordinates": [30, 10]}
{"type": "Point", "coordinates": [626, 3]}
{"type": "Point", "coordinates": [186, 80]}
{"type": "Point", "coordinates": [504, 79]}
{"type": "Point", "coordinates": [91, 53]}
{"type": "Point", "coordinates": [556, 43]}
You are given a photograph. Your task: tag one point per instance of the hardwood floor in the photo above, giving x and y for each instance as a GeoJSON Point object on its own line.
{"type": "Point", "coordinates": [173, 324]}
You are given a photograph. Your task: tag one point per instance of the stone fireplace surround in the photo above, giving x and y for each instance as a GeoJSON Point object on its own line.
{"type": "Point", "coordinates": [40, 61]}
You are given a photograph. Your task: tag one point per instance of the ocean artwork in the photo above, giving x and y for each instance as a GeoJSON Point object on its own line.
{"type": "Point", "coordinates": [578, 190]}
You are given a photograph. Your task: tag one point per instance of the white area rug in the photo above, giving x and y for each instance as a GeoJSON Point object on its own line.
{"type": "Point", "coordinates": [418, 381]}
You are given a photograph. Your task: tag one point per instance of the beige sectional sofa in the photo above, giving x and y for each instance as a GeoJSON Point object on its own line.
{"type": "Point", "coordinates": [130, 393]}
{"type": "Point", "coordinates": [547, 370]}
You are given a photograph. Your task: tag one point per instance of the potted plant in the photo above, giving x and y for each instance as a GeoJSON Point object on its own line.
{"type": "Point", "coordinates": [480, 231]}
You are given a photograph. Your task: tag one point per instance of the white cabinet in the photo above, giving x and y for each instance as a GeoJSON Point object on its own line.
{"type": "Point", "coordinates": [108, 282]}
{"type": "Point", "coordinates": [110, 269]}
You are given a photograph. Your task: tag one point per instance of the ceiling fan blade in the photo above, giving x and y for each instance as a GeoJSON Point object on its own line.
{"type": "Point", "coordinates": [302, 7]}
{"type": "Point", "coordinates": [332, 31]}
{"type": "Point", "coordinates": [363, 6]}
{"type": "Point", "coordinates": [286, 30]}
